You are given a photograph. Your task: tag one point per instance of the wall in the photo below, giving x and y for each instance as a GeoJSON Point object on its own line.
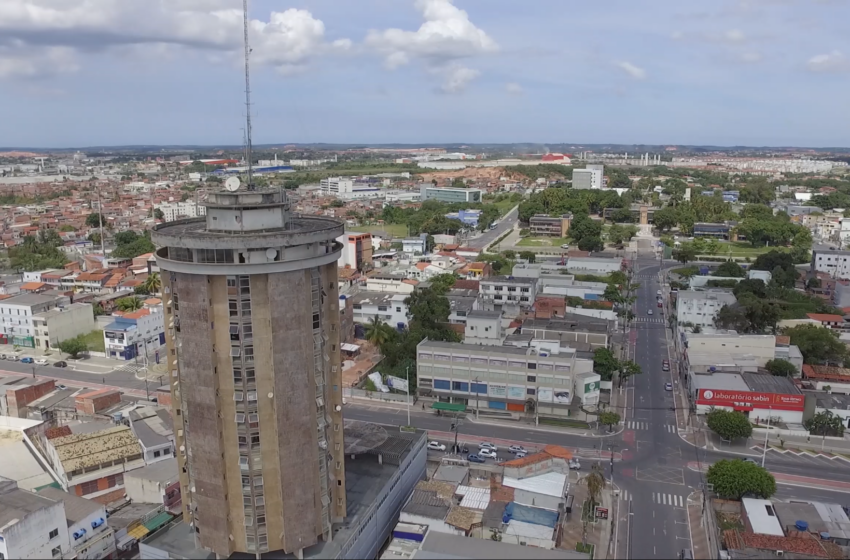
{"type": "Point", "coordinates": [534, 499]}
{"type": "Point", "coordinates": [75, 320]}
{"type": "Point", "coordinates": [437, 525]}
{"type": "Point", "coordinates": [29, 538]}
{"type": "Point", "coordinates": [143, 490]}
{"type": "Point", "coordinates": [96, 543]}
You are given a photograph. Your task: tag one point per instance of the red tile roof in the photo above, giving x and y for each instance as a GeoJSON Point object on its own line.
{"type": "Point", "coordinates": [137, 314]}
{"type": "Point", "coordinates": [796, 542]}
{"type": "Point", "coordinates": [825, 317]}
{"type": "Point", "coordinates": [29, 286]}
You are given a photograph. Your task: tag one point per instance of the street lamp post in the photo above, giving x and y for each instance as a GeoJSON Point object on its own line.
{"type": "Point", "coordinates": [407, 378]}
{"type": "Point", "coordinates": [766, 435]}
{"type": "Point", "coordinates": [477, 381]}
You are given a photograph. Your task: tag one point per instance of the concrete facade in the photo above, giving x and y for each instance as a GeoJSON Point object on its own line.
{"type": "Point", "coordinates": [17, 313]}
{"type": "Point", "coordinates": [31, 526]}
{"type": "Point", "coordinates": [700, 308]}
{"type": "Point", "coordinates": [62, 323]}
{"type": "Point", "coordinates": [252, 332]}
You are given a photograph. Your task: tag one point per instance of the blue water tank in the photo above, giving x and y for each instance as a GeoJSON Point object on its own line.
{"type": "Point", "coordinates": [801, 525]}
{"type": "Point", "coordinates": [824, 536]}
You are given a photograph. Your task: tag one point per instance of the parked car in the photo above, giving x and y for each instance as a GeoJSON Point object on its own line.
{"type": "Point", "coordinates": [436, 446]}
{"type": "Point", "coordinates": [3, 357]}
{"type": "Point", "coordinates": [60, 364]}
{"type": "Point", "coordinates": [520, 455]}
{"type": "Point", "coordinates": [665, 365]}
{"type": "Point", "coordinates": [516, 449]}
{"type": "Point", "coordinates": [487, 445]}
{"type": "Point", "coordinates": [575, 465]}
{"type": "Point", "coordinates": [565, 246]}
{"type": "Point", "coordinates": [660, 304]}
{"type": "Point", "coordinates": [473, 458]}
{"type": "Point", "coordinates": [668, 386]}
{"type": "Point", "coordinates": [61, 387]}
{"type": "Point", "coordinates": [487, 453]}
{"type": "Point", "coordinates": [41, 361]}
{"type": "Point", "coordinates": [658, 293]}
{"type": "Point", "coordinates": [14, 358]}
{"type": "Point", "coordinates": [27, 360]}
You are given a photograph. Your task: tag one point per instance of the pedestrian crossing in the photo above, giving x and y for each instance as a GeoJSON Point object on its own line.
{"type": "Point", "coordinates": [672, 429]}
{"type": "Point", "coordinates": [129, 368]}
{"type": "Point", "coordinates": [638, 425]}
{"type": "Point", "coordinates": [648, 319]}
{"type": "Point", "coordinates": [668, 499]}
{"type": "Point", "coordinates": [625, 496]}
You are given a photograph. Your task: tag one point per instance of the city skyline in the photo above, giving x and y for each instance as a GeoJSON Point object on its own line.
{"type": "Point", "coordinates": [739, 73]}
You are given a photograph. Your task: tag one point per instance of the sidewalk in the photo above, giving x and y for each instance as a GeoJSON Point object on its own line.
{"type": "Point", "coordinates": [600, 533]}
{"type": "Point", "coordinates": [697, 527]}
{"type": "Point", "coordinates": [792, 479]}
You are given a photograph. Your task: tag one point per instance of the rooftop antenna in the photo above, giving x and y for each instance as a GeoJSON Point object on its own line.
{"type": "Point", "coordinates": [248, 147]}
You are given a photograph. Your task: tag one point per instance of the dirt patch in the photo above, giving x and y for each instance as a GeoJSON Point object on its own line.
{"type": "Point", "coordinates": [354, 370]}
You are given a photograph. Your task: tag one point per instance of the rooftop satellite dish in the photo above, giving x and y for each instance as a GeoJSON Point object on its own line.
{"type": "Point", "coordinates": [232, 184]}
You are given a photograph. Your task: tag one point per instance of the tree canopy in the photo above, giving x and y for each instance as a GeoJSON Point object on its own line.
{"type": "Point", "coordinates": [817, 344]}
{"type": "Point", "coordinates": [729, 425]}
{"type": "Point", "coordinates": [781, 368]}
{"type": "Point", "coordinates": [825, 423]}
{"type": "Point", "coordinates": [38, 253]}
{"type": "Point", "coordinates": [130, 244]}
{"type": "Point", "coordinates": [734, 479]}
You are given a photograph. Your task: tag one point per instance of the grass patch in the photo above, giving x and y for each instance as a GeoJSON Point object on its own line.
{"type": "Point", "coordinates": [504, 206]}
{"type": "Point", "coordinates": [369, 385]}
{"type": "Point", "coordinates": [396, 230]}
{"type": "Point", "coordinates": [743, 249]}
{"type": "Point", "coordinates": [94, 340]}
{"type": "Point", "coordinates": [728, 521]}
{"type": "Point", "coordinates": [564, 423]}
{"type": "Point", "coordinates": [592, 278]}
{"type": "Point", "coordinates": [543, 241]}
{"type": "Point", "coordinates": [587, 548]}
{"type": "Point", "coordinates": [686, 270]}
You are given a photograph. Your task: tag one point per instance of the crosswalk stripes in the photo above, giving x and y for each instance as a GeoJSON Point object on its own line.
{"type": "Point", "coordinates": [648, 320]}
{"type": "Point", "coordinates": [625, 496]}
{"type": "Point", "coordinates": [668, 499]}
{"type": "Point", "coordinates": [637, 425]}
{"type": "Point", "coordinates": [672, 429]}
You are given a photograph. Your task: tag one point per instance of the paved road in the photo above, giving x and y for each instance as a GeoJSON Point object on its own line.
{"type": "Point", "coordinates": [123, 376]}
{"type": "Point", "coordinates": [507, 222]}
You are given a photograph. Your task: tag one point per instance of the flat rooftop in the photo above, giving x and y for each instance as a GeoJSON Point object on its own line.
{"type": "Point", "coordinates": [570, 323]}
{"type": "Point", "coordinates": [17, 504]}
{"type": "Point", "coordinates": [508, 280]}
{"type": "Point", "coordinates": [443, 546]}
{"type": "Point", "coordinates": [460, 347]}
{"type": "Point", "coordinates": [767, 383]}
{"type": "Point", "coordinates": [18, 462]}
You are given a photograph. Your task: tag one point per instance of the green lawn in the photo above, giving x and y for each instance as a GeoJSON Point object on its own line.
{"type": "Point", "coordinates": [504, 206]}
{"type": "Point", "coordinates": [744, 249]}
{"type": "Point", "coordinates": [94, 340]}
{"type": "Point", "coordinates": [543, 241]}
{"type": "Point", "coordinates": [396, 230]}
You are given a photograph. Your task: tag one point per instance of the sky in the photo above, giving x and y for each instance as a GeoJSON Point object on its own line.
{"type": "Point", "coordinates": [77, 73]}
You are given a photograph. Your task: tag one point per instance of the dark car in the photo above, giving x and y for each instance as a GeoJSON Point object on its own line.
{"type": "Point", "coordinates": [473, 458]}
{"type": "Point", "coordinates": [461, 449]}
{"type": "Point", "coordinates": [60, 364]}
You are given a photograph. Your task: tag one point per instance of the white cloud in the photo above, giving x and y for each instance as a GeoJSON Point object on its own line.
{"type": "Point", "coordinates": [287, 41]}
{"type": "Point", "coordinates": [751, 56]}
{"type": "Point", "coordinates": [447, 34]}
{"type": "Point", "coordinates": [35, 63]}
{"type": "Point", "coordinates": [634, 71]}
{"type": "Point", "coordinates": [456, 77]}
{"type": "Point", "coordinates": [735, 36]}
{"type": "Point", "coordinates": [514, 88]}
{"type": "Point", "coordinates": [831, 62]}
{"type": "Point", "coordinates": [677, 35]}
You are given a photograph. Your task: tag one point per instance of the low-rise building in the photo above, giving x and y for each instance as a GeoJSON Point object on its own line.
{"type": "Point", "coordinates": [155, 484]}
{"type": "Point", "coordinates": [388, 307]}
{"type": "Point", "coordinates": [31, 526]}
{"type": "Point", "coordinates": [550, 226]}
{"type": "Point", "coordinates": [90, 535]}
{"type": "Point", "coordinates": [139, 333]}
{"type": "Point", "coordinates": [356, 251]}
{"type": "Point", "coordinates": [17, 313]}
{"type": "Point", "coordinates": [62, 323]}
{"type": "Point", "coordinates": [155, 430]}
{"type": "Point", "coordinates": [415, 245]}
{"type": "Point", "coordinates": [449, 194]}
{"type": "Point", "coordinates": [834, 263]}
{"type": "Point", "coordinates": [700, 308]}
{"type": "Point", "coordinates": [507, 294]}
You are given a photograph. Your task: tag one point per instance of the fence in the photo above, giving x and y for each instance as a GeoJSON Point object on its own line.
{"type": "Point", "coordinates": [350, 392]}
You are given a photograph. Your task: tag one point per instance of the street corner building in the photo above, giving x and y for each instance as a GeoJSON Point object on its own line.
{"type": "Point", "coordinates": [251, 311]}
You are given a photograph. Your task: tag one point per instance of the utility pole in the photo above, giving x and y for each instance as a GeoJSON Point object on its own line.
{"type": "Point", "coordinates": [477, 381]}
{"type": "Point", "coordinates": [407, 378]}
{"type": "Point", "coordinates": [100, 220]}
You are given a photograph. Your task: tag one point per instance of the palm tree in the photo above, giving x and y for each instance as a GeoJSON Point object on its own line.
{"type": "Point", "coordinates": [378, 332]}
{"type": "Point", "coordinates": [595, 483]}
{"type": "Point", "coordinates": [129, 304]}
{"type": "Point", "coordinates": [153, 283]}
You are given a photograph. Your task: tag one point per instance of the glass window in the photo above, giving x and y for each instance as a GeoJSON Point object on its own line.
{"type": "Point", "coordinates": [532, 379]}
{"type": "Point", "coordinates": [532, 365]}
{"type": "Point", "coordinates": [530, 391]}
{"type": "Point", "coordinates": [442, 384]}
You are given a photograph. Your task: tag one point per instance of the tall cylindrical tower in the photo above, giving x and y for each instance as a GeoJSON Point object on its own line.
{"type": "Point", "coordinates": [252, 329]}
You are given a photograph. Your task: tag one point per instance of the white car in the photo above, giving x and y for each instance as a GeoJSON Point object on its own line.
{"type": "Point", "coordinates": [575, 465]}
{"type": "Point", "coordinates": [658, 293]}
{"type": "Point", "coordinates": [41, 362]}
{"type": "Point", "coordinates": [565, 246]}
{"type": "Point", "coordinates": [487, 453]}
{"type": "Point", "coordinates": [517, 449]}
{"type": "Point", "coordinates": [436, 446]}
{"type": "Point", "coordinates": [487, 445]}
{"type": "Point", "coordinates": [649, 311]}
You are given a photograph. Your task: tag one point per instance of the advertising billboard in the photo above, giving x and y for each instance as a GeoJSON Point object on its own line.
{"type": "Point", "coordinates": [545, 394]}
{"type": "Point", "coordinates": [743, 400]}
{"type": "Point", "coordinates": [562, 397]}
{"type": "Point", "coordinates": [516, 393]}
{"type": "Point", "coordinates": [497, 390]}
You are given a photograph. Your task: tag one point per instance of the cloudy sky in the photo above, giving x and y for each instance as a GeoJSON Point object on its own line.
{"type": "Point", "coordinates": [726, 72]}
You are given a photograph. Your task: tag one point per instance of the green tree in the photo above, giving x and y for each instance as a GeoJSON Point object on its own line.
{"type": "Point", "coordinates": [781, 368]}
{"type": "Point", "coordinates": [73, 346]}
{"type": "Point", "coordinates": [428, 308]}
{"type": "Point", "coordinates": [730, 269]}
{"type": "Point", "coordinates": [583, 227]}
{"type": "Point", "coordinates": [129, 304]}
{"type": "Point", "coordinates": [510, 255]}
{"type": "Point", "coordinates": [378, 332]}
{"type": "Point", "coordinates": [595, 483]}
{"type": "Point", "coordinates": [825, 423]}
{"type": "Point", "coordinates": [665, 218]}
{"type": "Point", "coordinates": [528, 256]}
{"type": "Point", "coordinates": [605, 363]}
{"type": "Point", "coordinates": [627, 369]}
{"type": "Point", "coordinates": [93, 220]}
{"type": "Point", "coordinates": [153, 283]}
{"type": "Point", "coordinates": [591, 244]}
{"type": "Point", "coordinates": [158, 214]}
{"type": "Point", "coordinates": [609, 419]}
{"type": "Point", "coordinates": [94, 237]}
{"type": "Point", "coordinates": [442, 283]}
{"type": "Point", "coordinates": [817, 344]}
{"type": "Point", "coordinates": [728, 425]}
{"type": "Point", "coordinates": [685, 253]}
{"type": "Point", "coordinates": [734, 479]}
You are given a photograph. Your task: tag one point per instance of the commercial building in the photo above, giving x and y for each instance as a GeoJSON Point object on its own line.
{"type": "Point", "coordinates": [701, 307]}
{"type": "Point", "coordinates": [757, 395]}
{"type": "Point", "coordinates": [466, 217]}
{"type": "Point", "coordinates": [719, 231]}
{"type": "Point", "coordinates": [346, 189]}
{"type": "Point", "coordinates": [61, 323]}
{"type": "Point", "coordinates": [17, 313]}
{"type": "Point", "coordinates": [384, 466]}
{"type": "Point", "coordinates": [356, 251]}
{"type": "Point", "coordinates": [448, 194]}
{"type": "Point", "coordinates": [138, 333]}
{"type": "Point", "coordinates": [549, 226]}
{"type": "Point", "coordinates": [180, 210]}
{"type": "Point", "coordinates": [540, 378]}
{"type": "Point", "coordinates": [589, 178]}
{"type": "Point", "coordinates": [253, 325]}
{"type": "Point", "coordinates": [834, 263]}
{"type": "Point", "coordinates": [31, 526]}
{"type": "Point", "coordinates": [507, 294]}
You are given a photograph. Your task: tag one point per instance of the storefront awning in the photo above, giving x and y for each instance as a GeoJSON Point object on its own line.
{"type": "Point", "coordinates": [449, 407]}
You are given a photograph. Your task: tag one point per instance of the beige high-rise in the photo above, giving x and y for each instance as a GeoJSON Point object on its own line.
{"type": "Point", "coordinates": [252, 326]}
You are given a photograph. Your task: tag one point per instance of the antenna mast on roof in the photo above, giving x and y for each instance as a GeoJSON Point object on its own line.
{"type": "Point", "coordinates": [248, 148]}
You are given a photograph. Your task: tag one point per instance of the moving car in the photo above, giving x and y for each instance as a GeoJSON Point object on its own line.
{"type": "Point", "coordinates": [516, 449]}
{"type": "Point", "coordinates": [665, 365]}
{"type": "Point", "coordinates": [473, 458]}
{"type": "Point", "coordinates": [41, 361]}
{"type": "Point", "coordinates": [487, 453]}
{"type": "Point", "coordinates": [520, 455]}
{"type": "Point", "coordinates": [565, 246]}
{"type": "Point", "coordinates": [660, 304]}
{"type": "Point", "coordinates": [436, 446]}
{"type": "Point", "coordinates": [27, 360]}
{"type": "Point", "coordinates": [487, 445]}
{"type": "Point", "coordinates": [668, 386]}
{"type": "Point", "coordinates": [575, 465]}
{"type": "Point", "coordinates": [60, 364]}
{"type": "Point", "coordinates": [658, 293]}
{"type": "Point", "coordinates": [649, 311]}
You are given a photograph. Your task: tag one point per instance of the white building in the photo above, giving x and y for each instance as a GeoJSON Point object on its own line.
{"type": "Point", "coordinates": [414, 245]}
{"type": "Point", "coordinates": [90, 535]}
{"type": "Point", "coordinates": [140, 333]}
{"type": "Point", "coordinates": [388, 307]}
{"type": "Point", "coordinates": [700, 308]}
{"type": "Point", "coordinates": [17, 313]}
{"type": "Point", "coordinates": [484, 328]}
{"type": "Point", "coordinates": [31, 526]}
{"type": "Point", "coordinates": [834, 263]}
{"type": "Point", "coordinates": [62, 323]}
{"type": "Point", "coordinates": [587, 178]}
{"type": "Point", "coordinates": [172, 211]}
{"type": "Point", "coordinates": [507, 294]}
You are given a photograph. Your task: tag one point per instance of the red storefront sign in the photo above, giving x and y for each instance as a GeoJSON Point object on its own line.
{"type": "Point", "coordinates": [745, 400]}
